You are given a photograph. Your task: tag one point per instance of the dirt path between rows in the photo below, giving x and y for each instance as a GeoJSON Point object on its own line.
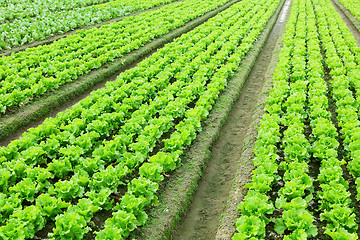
{"type": "Point", "coordinates": [345, 18]}
{"type": "Point", "coordinates": [202, 219]}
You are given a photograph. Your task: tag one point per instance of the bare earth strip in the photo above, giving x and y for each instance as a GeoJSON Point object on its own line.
{"type": "Point", "coordinates": [210, 199]}
{"type": "Point", "coordinates": [264, 70]}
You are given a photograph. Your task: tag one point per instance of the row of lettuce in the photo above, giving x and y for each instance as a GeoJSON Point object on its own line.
{"type": "Point", "coordinates": [31, 73]}
{"type": "Point", "coordinates": [22, 30]}
{"type": "Point", "coordinates": [298, 103]}
{"type": "Point", "coordinates": [353, 6]}
{"type": "Point", "coordinates": [13, 10]}
{"type": "Point", "coordinates": [118, 143]}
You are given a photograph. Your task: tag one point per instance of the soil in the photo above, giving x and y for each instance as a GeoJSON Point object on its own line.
{"type": "Point", "coordinates": [209, 201]}
{"type": "Point", "coordinates": [72, 93]}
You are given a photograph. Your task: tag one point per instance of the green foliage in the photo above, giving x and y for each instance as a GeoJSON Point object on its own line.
{"type": "Point", "coordinates": [50, 206]}
{"type": "Point", "coordinates": [249, 228]}
{"type": "Point", "coordinates": [339, 217]}
{"type": "Point", "coordinates": [296, 218]}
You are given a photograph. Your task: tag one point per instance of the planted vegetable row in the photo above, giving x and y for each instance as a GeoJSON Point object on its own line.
{"type": "Point", "coordinates": [299, 93]}
{"type": "Point", "coordinates": [296, 193]}
{"type": "Point", "coordinates": [150, 113]}
{"type": "Point", "coordinates": [256, 205]}
{"type": "Point", "coordinates": [191, 124]}
{"type": "Point", "coordinates": [25, 30]}
{"type": "Point", "coordinates": [353, 6]}
{"type": "Point", "coordinates": [25, 75]}
{"type": "Point", "coordinates": [14, 10]}
{"type": "Point", "coordinates": [342, 58]}
{"type": "Point", "coordinates": [334, 199]}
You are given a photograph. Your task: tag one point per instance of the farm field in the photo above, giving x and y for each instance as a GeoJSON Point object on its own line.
{"type": "Point", "coordinates": [179, 119]}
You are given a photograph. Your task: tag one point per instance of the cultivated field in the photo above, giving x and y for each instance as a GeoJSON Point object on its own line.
{"type": "Point", "coordinates": [179, 119]}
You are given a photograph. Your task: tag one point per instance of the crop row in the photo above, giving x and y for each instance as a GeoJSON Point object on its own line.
{"type": "Point", "coordinates": [10, 11]}
{"type": "Point", "coordinates": [25, 30]}
{"type": "Point", "coordinates": [257, 204]}
{"type": "Point", "coordinates": [126, 135]}
{"type": "Point", "coordinates": [353, 6]}
{"type": "Point", "coordinates": [296, 193]}
{"type": "Point", "coordinates": [299, 95]}
{"type": "Point", "coordinates": [35, 71]}
{"type": "Point", "coordinates": [342, 56]}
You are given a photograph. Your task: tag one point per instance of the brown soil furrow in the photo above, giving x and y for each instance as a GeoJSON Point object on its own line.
{"type": "Point", "coordinates": [209, 201]}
